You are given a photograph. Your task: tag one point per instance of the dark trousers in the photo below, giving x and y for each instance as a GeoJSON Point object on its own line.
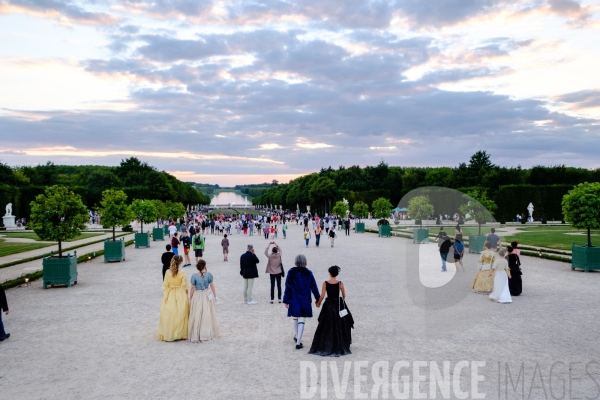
{"type": "Point", "coordinates": [275, 277]}
{"type": "Point", "coordinates": [348, 231]}
{"type": "Point", "coordinates": [318, 238]}
{"type": "Point", "coordinates": [444, 256]}
{"type": "Point", "coordinates": [3, 333]}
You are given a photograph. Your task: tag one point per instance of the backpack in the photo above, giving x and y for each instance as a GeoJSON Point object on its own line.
{"type": "Point", "coordinates": [322, 224]}
{"type": "Point", "coordinates": [197, 240]}
{"type": "Point", "coordinates": [192, 230]}
{"type": "Point", "coordinates": [331, 233]}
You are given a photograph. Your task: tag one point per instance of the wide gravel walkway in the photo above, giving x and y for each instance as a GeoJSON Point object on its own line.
{"type": "Point", "coordinates": [98, 339]}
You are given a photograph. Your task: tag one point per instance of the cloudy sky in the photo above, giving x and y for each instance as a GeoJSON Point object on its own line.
{"type": "Point", "coordinates": [244, 91]}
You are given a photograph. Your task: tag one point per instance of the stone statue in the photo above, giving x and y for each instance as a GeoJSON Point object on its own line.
{"type": "Point", "coordinates": [530, 209]}
{"type": "Point", "coordinates": [9, 219]}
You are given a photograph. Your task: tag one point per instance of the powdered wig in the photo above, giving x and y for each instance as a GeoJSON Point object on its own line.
{"type": "Point", "coordinates": [300, 261]}
{"type": "Point", "coordinates": [175, 263]}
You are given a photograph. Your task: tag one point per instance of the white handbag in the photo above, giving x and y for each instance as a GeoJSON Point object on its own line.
{"type": "Point", "coordinates": [343, 312]}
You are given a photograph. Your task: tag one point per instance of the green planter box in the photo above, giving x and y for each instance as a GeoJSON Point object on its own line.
{"type": "Point", "coordinates": [114, 251]}
{"type": "Point", "coordinates": [359, 227]}
{"type": "Point", "coordinates": [385, 231]}
{"type": "Point", "coordinates": [421, 235]}
{"type": "Point", "coordinates": [166, 229]}
{"type": "Point", "coordinates": [585, 258]}
{"type": "Point", "coordinates": [476, 243]}
{"type": "Point", "coordinates": [178, 227]}
{"type": "Point", "coordinates": [158, 234]}
{"type": "Point", "coordinates": [142, 240]}
{"type": "Point", "coordinates": [59, 271]}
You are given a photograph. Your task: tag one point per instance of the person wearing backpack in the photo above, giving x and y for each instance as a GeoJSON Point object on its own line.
{"type": "Point", "coordinates": [198, 245]}
{"type": "Point", "coordinates": [332, 235]}
{"type": "Point", "coordinates": [186, 240]}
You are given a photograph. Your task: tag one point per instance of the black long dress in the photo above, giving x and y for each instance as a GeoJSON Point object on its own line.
{"type": "Point", "coordinates": [515, 283]}
{"type": "Point", "coordinates": [333, 336]}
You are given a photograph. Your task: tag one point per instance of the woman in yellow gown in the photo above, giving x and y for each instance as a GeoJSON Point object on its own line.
{"type": "Point", "coordinates": [484, 280]}
{"type": "Point", "coordinates": [174, 309]}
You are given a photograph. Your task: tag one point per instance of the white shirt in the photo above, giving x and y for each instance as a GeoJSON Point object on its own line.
{"type": "Point", "coordinates": [172, 229]}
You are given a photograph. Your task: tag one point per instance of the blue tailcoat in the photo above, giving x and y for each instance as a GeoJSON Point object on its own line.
{"type": "Point", "coordinates": [299, 284]}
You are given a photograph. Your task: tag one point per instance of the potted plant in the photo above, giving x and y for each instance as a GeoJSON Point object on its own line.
{"type": "Point", "coordinates": [58, 215]}
{"type": "Point", "coordinates": [145, 211]}
{"type": "Point", "coordinates": [581, 208]}
{"type": "Point", "coordinates": [479, 209]}
{"type": "Point", "coordinates": [158, 233]}
{"type": "Point", "coordinates": [418, 209]}
{"type": "Point", "coordinates": [381, 209]}
{"type": "Point", "coordinates": [114, 212]}
{"type": "Point", "coordinates": [360, 210]}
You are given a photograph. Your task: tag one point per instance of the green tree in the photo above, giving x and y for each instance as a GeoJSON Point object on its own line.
{"type": "Point", "coordinates": [479, 208]}
{"type": "Point", "coordinates": [419, 208]}
{"type": "Point", "coordinates": [58, 215]}
{"type": "Point", "coordinates": [144, 211]}
{"type": "Point", "coordinates": [360, 210]}
{"type": "Point", "coordinates": [381, 209]}
{"type": "Point", "coordinates": [322, 190]}
{"type": "Point", "coordinates": [581, 207]}
{"type": "Point", "coordinates": [114, 209]}
{"type": "Point", "coordinates": [161, 210]}
{"type": "Point", "coordinates": [340, 208]}
{"type": "Point", "coordinates": [175, 209]}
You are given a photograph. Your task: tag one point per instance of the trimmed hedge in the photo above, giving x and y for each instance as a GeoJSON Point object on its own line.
{"type": "Point", "coordinates": [546, 200]}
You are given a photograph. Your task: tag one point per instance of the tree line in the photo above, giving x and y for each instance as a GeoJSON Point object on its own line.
{"type": "Point", "coordinates": [511, 188]}
{"type": "Point", "coordinates": [139, 180]}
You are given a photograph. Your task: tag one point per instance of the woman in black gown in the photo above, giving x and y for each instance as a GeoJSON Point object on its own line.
{"type": "Point", "coordinates": [515, 283]}
{"type": "Point", "coordinates": [333, 336]}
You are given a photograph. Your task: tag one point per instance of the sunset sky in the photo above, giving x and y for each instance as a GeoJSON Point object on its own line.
{"type": "Point", "coordinates": [241, 91]}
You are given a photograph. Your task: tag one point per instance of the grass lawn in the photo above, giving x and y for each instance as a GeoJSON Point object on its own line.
{"type": "Point", "coordinates": [31, 235]}
{"type": "Point", "coordinates": [555, 240]}
{"type": "Point", "coordinates": [14, 248]}
{"type": "Point", "coordinates": [450, 230]}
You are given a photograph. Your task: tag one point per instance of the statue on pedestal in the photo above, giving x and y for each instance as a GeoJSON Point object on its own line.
{"type": "Point", "coordinates": [9, 219]}
{"type": "Point", "coordinates": [530, 209]}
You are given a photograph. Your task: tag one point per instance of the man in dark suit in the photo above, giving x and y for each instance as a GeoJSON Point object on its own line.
{"type": "Point", "coordinates": [347, 226]}
{"type": "Point", "coordinates": [249, 271]}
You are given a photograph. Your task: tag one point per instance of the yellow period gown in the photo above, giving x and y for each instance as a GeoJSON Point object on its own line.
{"type": "Point", "coordinates": [174, 309]}
{"type": "Point", "coordinates": [484, 280]}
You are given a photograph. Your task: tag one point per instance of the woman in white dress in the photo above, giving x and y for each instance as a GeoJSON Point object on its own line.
{"type": "Point", "coordinates": [501, 292]}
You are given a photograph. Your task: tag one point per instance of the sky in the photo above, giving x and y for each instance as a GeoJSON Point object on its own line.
{"type": "Point", "coordinates": [246, 91]}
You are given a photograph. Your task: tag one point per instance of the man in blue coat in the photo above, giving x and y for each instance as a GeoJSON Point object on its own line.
{"type": "Point", "coordinates": [299, 285]}
{"type": "Point", "coordinates": [249, 271]}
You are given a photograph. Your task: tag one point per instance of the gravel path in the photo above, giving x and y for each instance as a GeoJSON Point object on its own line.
{"type": "Point", "coordinates": [97, 340]}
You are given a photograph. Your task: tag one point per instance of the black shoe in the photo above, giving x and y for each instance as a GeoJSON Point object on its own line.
{"type": "Point", "coordinates": [299, 346]}
{"type": "Point", "coordinates": [5, 337]}
{"type": "Point", "coordinates": [295, 340]}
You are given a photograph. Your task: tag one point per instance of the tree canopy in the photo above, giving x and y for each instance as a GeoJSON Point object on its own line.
{"type": "Point", "coordinates": [58, 215]}
{"type": "Point", "coordinates": [581, 207]}
{"type": "Point", "coordinates": [114, 210]}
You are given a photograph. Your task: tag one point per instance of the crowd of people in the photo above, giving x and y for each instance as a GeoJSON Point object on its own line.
{"type": "Point", "coordinates": [188, 309]}
{"type": "Point", "coordinates": [499, 269]}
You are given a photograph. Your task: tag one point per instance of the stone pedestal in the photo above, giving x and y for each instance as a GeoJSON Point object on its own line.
{"type": "Point", "coordinates": [9, 221]}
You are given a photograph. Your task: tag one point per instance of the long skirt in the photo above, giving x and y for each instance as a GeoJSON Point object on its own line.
{"type": "Point", "coordinates": [484, 282]}
{"type": "Point", "coordinates": [333, 336]}
{"type": "Point", "coordinates": [174, 309]}
{"type": "Point", "coordinates": [501, 293]}
{"type": "Point", "coordinates": [515, 284]}
{"type": "Point", "coordinates": [203, 318]}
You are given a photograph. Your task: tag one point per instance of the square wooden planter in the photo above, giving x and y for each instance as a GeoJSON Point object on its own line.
{"type": "Point", "coordinates": [385, 231]}
{"type": "Point", "coordinates": [476, 243]}
{"type": "Point", "coordinates": [114, 251]}
{"type": "Point", "coordinates": [59, 271]}
{"type": "Point", "coordinates": [158, 234]}
{"type": "Point", "coordinates": [142, 240]}
{"type": "Point", "coordinates": [585, 258]}
{"type": "Point", "coordinates": [421, 235]}
{"type": "Point", "coordinates": [359, 227]}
